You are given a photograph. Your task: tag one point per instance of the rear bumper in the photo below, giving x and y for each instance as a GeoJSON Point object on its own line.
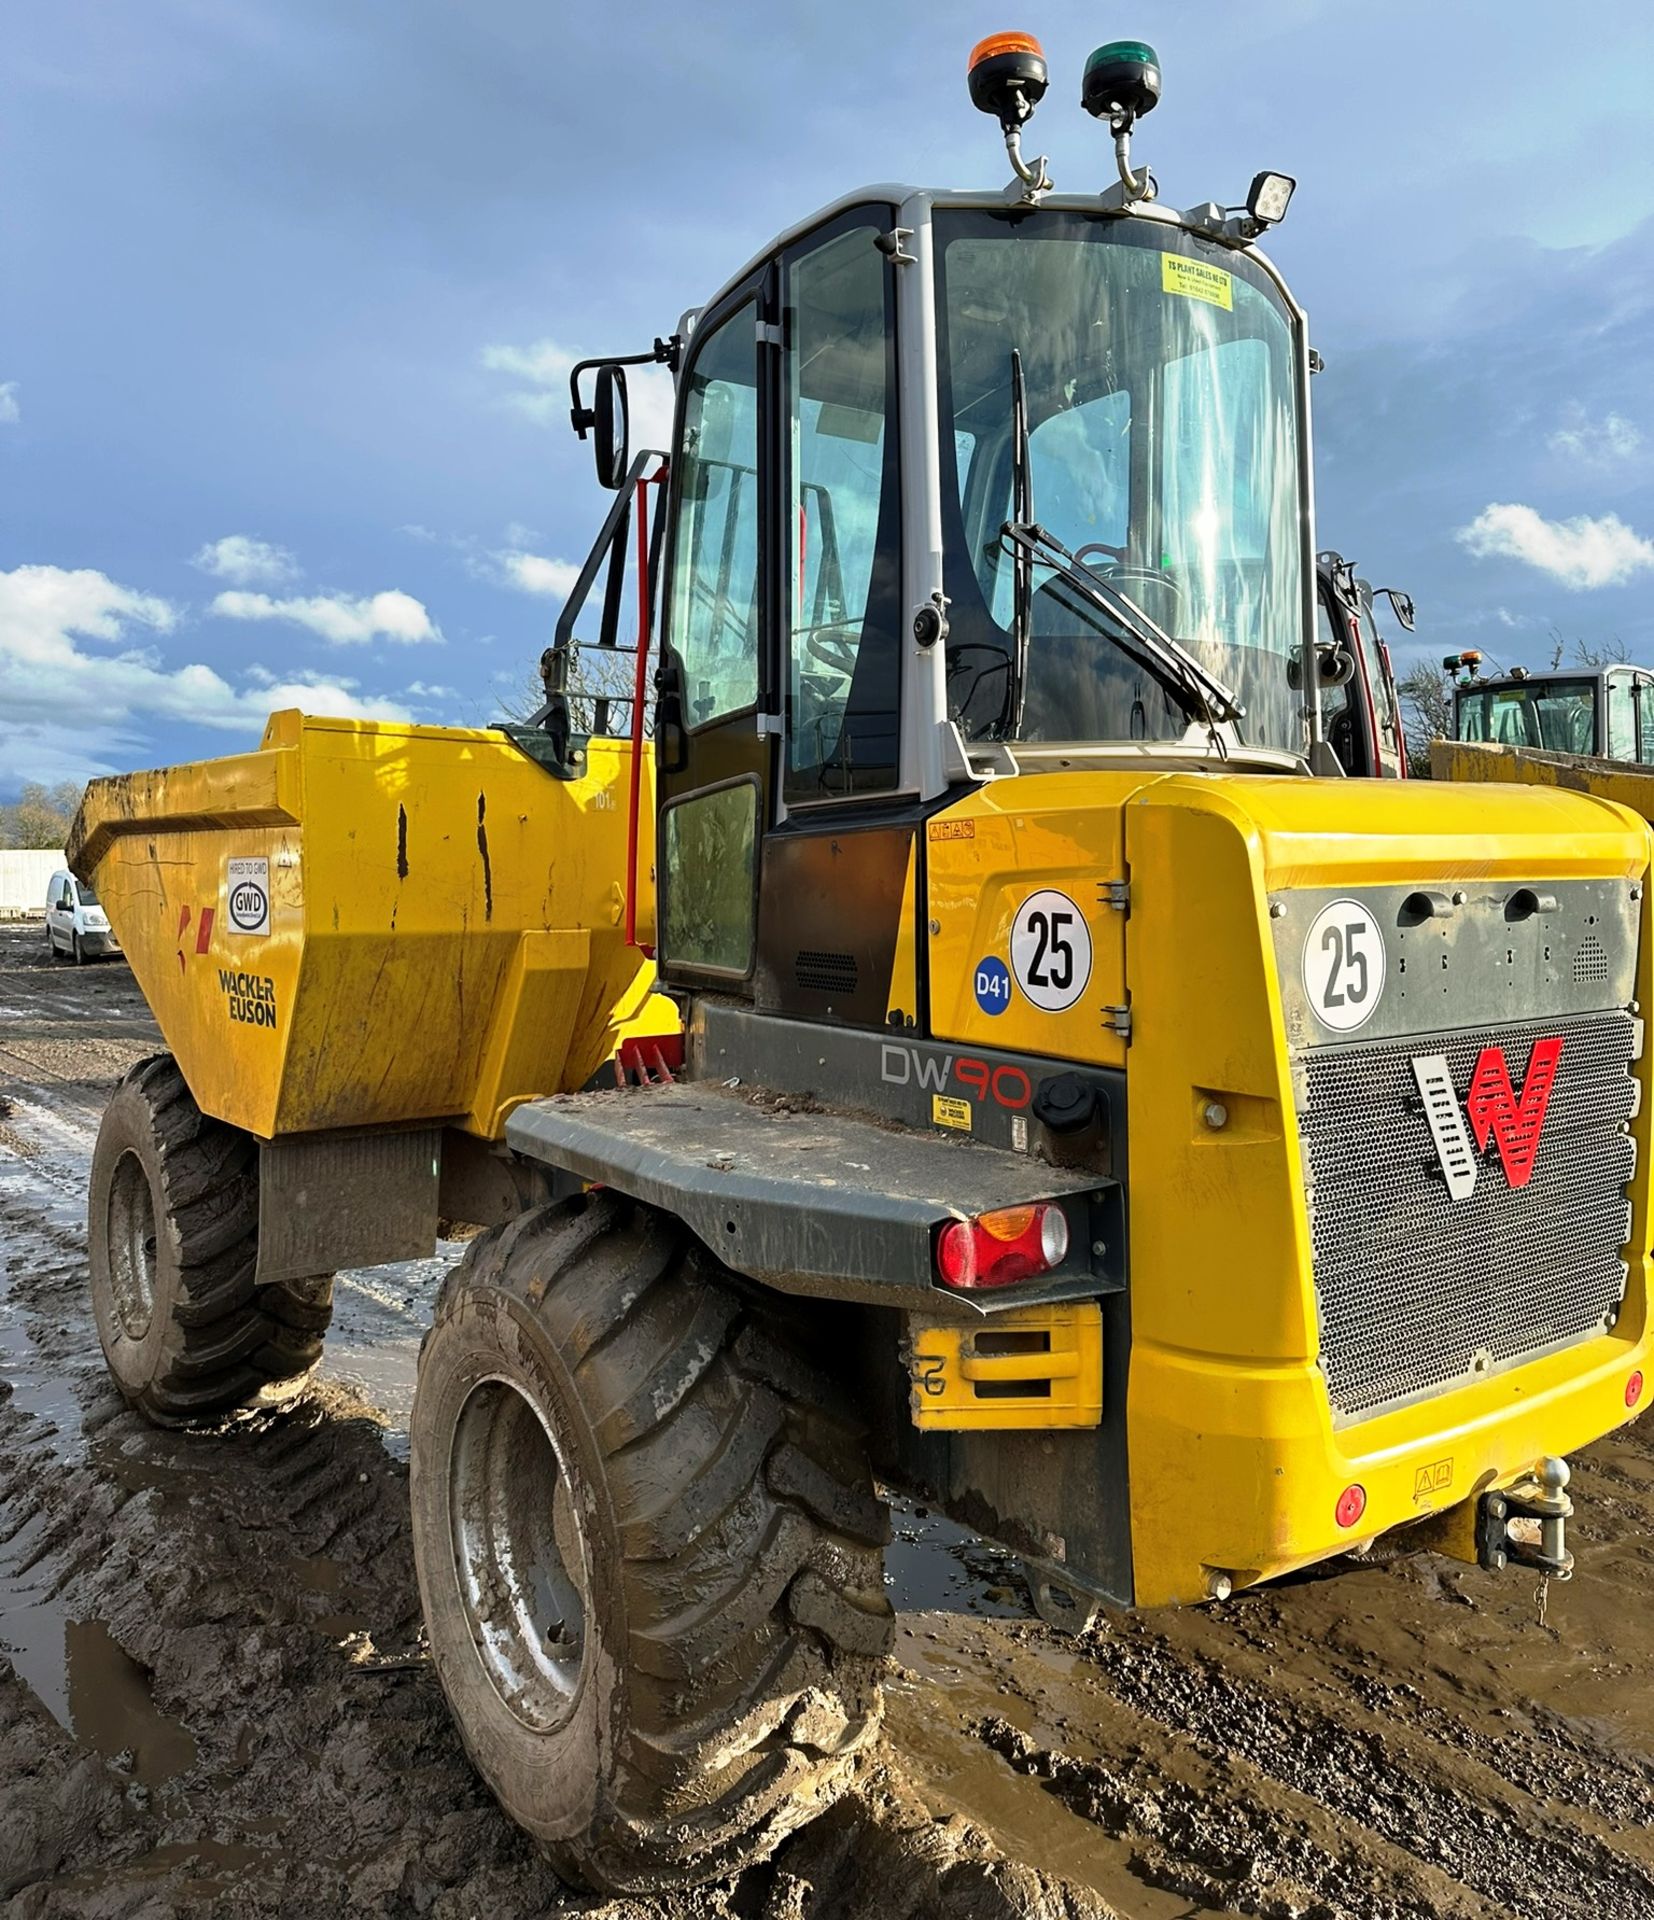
{"type": "Point", "coordinates": [1238, 1468]}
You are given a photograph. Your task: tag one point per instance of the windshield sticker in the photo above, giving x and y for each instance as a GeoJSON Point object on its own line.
{"type": "Point", "coordinates": [1051, 950]}
{"type": "Point", "coordinates": [1197, 281]}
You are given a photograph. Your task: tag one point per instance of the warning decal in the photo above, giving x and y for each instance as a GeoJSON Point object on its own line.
{"type": "Point", "coordinates": [1197, 281]}
{"type": "Point", "coordinates": [248, 885]}
{"type": "Point", "coordinates": [948, 1112]}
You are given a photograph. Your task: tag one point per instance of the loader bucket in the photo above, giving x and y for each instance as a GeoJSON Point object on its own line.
{"type": "Point", "coordinates": [365, 924]}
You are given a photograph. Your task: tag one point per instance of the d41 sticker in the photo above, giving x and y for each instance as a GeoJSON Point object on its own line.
{"type": "Point", "coordinates": [993, 985]}
{"type": "Point", "coordinates": [1344, 966]}
{"type": "Point", "coordinates": [1051, 950]}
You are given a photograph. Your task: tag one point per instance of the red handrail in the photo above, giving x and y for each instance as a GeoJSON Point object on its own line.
{"type": "Point", "coordinates": [645, 482]}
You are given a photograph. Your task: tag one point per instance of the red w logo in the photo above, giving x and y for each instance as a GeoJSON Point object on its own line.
{"type": "Point", "coordinates": [1495, 1113]}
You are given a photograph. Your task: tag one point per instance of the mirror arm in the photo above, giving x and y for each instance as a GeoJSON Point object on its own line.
{"type": "Point", "coordinates": [664, 353]}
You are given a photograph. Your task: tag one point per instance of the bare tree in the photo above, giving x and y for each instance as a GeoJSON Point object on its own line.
{"type": "Point", "coordinates": [1426, 712]}
{"type": "Point", "coordinates": [1589, 653]}
{"type": "Point", "coordinates": [40, 816]}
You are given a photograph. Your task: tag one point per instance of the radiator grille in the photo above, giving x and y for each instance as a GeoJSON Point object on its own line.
{"type": "Point", "coordinates": [1417, 1291]}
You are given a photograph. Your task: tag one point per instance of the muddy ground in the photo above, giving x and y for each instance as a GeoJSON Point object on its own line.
{"type": "Point", "coordinates": [213, 1697]}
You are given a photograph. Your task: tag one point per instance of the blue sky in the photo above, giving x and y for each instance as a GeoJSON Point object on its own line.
{"type": "Point", "coordinates": [291, 286]}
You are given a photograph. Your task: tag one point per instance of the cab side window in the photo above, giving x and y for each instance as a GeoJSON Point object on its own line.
{"type": "Point", "coordinates": [715, 565]}
{"type": "Point", "coordinates": [1622, 718]}
{"type": "Point", "coordinates": [844, 664]}
{"type": "Point", "coordinates": [1642, 692]}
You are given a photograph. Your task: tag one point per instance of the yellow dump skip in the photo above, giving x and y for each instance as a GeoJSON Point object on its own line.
{"type": "Point", "coordinates": [365, 923]}
{"type": "Point", "coordinates": [1631, 786]}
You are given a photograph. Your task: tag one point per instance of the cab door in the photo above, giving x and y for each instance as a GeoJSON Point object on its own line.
{"type": "Point", "coordinates": [714, 736]}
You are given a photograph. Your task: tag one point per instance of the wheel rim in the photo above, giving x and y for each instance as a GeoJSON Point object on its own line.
{"type": "Point", "coordinates": [131, 1235]}
{"type": "Point", "coordinates": [519, 1553]}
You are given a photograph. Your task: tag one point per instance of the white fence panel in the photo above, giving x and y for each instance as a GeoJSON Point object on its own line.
{"type": "Point", "coordinates": [24, 874]}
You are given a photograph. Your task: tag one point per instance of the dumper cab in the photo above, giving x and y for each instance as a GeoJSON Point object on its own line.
{"type": "Point", "coordinates": [1596, 712]}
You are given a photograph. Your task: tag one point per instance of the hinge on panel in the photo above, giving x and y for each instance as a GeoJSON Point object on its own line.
{"type": "Point", "coordinates": [770, 334]}
{"type": "Point", "coordinates": [890, 245]}
{"type": "Point", "coordinates": [1116, 894]}
{"type": "Point", "coordinates": [770, 724]}
{"type": "Point", "coordinates": [1118, 1020]}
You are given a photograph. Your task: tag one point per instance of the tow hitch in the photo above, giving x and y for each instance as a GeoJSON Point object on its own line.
{"type": "Point", "coordinates": [1525, 1524]}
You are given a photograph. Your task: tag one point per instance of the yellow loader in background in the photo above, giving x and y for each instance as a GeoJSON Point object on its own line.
{"type": "Point", "coordinates": [968, 1034]}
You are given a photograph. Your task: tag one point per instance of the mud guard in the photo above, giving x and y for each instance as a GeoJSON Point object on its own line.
{"type": "Point", "coordinates": [820, 1203]}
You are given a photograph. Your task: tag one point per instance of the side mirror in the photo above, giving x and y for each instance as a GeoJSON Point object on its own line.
{"type": "Point", "coordinates": [1401, 605]}
{"type": "Point", "coordinates": [610, 427]}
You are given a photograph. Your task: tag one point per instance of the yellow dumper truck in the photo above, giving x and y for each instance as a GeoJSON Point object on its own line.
{"type": "Point", "coordinates": [918, 1007]}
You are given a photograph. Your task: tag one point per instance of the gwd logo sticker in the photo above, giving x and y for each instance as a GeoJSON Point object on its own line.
{"type": "Point", "coordinates": [248, 885]}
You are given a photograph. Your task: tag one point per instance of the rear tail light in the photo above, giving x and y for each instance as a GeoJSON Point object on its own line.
{"type": "Point", "coordinates": [998, 1249]}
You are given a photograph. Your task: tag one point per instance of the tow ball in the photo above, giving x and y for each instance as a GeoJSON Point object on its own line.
{"type": "Point", "coordinates": [1524, 1524]}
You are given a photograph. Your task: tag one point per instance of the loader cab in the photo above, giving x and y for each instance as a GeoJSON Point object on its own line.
{"type": "Point", "coordinates": [846, 640]}
{"type": "Point", "coordinates": [1360, 708]}
{"type": "Point", "coordinates": [1603, 713]}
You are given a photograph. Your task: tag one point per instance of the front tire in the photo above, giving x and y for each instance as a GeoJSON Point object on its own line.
{"type": "Point", "coordinates": [77, 950]}
{"type": "Point", "coordinates": [173, 1232]}
{"type": "Point", "coordinates": [648, 1548]}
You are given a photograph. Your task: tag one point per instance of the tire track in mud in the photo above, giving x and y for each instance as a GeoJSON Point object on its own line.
{"type": "Point", "coordinates": [1451, 1816]}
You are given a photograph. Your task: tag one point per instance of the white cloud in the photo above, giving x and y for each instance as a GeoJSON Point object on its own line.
{"type": "Point", "coordinates": [340, 620]}
{"type": "Point", "coordinates": [247, 562]}
{"type": "Point", "coordinates": [534, 573]}
{"type": "Point", "coordinates": [1583, 552]}
{"type": "Point", "coordinates": [542, 372]}
{"type": "Point", "coordinates": [543, 369]}
{"type": "Point", "coordinates": [10, 411]}
{"type": "Point", "coordinates": [63, 706]}
{"type": "Point", "coordinates": [1598, 443]}
{"type": "Point", "coordinates": [420, 690]}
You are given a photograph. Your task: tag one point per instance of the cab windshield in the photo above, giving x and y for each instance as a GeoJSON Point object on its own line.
{"type": "Point", "coordinates": [1559, 714]}
{"type": "Point", "coordinates": [1159, 373]}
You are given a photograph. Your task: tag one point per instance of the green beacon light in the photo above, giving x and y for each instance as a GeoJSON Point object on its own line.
{"type": "Point", "coordinates": [1122, 81]}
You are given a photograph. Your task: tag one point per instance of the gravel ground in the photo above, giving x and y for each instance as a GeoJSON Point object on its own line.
{"type": "Point", "coordinates": [214, 1698]}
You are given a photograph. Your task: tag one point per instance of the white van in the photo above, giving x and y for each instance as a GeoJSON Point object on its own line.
{"type": "Point", "coordinates": [75, 923]}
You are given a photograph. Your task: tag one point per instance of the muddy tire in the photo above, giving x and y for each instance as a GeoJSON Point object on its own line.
{"type": "Point", "coordinates": [173, 1233]}
{"type": "Point", "coordinates": [648, 1548]}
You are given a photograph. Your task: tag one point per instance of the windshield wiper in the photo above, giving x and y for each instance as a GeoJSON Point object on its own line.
{"type": "Point", "coordinates": [1022, 562]}
{"type": "Point", "coordinates": [1200, 694]}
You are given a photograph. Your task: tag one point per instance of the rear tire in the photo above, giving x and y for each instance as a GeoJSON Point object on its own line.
{"type": "Point", "coordinates": [173, 1230]}
{"type": "Point", "coordinates": [648, 1548]}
